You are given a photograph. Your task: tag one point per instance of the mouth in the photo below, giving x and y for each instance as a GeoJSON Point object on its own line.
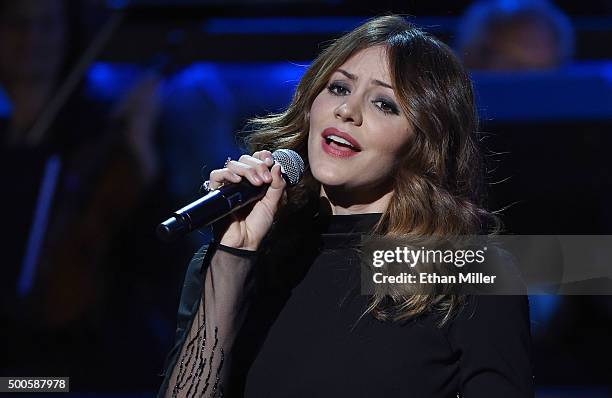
{"type": "Point", "coordinates": [340, 140]}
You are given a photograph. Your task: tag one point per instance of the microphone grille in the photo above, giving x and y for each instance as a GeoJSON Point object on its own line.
{"type": "Point", "coordinates": [291, 164]}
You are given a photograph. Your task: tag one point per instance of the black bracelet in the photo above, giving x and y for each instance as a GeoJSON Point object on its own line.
{"type": "Point", "coordinates": [237, 252]}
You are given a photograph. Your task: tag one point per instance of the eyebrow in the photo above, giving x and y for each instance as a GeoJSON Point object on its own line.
{"type": "Point", "coordinates": [353, 77]}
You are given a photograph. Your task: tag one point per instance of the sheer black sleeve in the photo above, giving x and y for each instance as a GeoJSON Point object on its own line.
{"type": "Point", "coordinates": [216, 295]}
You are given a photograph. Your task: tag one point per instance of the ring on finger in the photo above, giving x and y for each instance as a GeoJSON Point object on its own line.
{"type": "Point", "coordinates": [206, 186]}
{"type": "Point", "coordinates": [229, 159]}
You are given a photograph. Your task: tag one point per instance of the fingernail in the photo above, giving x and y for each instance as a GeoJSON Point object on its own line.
{"type": "Point", "coordinates": [257, 179]}
{"type": "Point", "coordinates": [267, 175]}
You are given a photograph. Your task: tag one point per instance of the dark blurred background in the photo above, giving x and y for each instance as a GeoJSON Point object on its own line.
{"type": "Point", "coordinates": [113, 112]}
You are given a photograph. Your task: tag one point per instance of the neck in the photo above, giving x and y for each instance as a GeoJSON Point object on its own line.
{"type": "Point", "coordinates": [367, 200]}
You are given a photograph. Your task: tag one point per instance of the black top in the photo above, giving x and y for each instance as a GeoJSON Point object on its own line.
{"type": "Point", "coordinates": [305, 336]}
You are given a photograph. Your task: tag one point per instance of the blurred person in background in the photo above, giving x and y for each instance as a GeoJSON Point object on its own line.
{"type": "Point", "coordinates": [34, 50]}
{"type": "Point", "coordinates": [95, 294]}
{"type": "Point", "coordinates": [535, 35]}
{"type": "Point", "coordinates": [514, 35]}
{"type": "Point", "coordinates": [196, 124]}
{"type": "Point", "coordinates": [33, 60]}
{"type": "Point", "coordinates": [517, 35]}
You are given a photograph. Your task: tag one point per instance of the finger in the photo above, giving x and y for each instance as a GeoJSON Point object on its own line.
{"type": "Point", "coordinates": [278, 182]}
{"type": "Point", "coordinates": [265, 156]}
{"type": "Point", "coordinates": [262, 169]}
{"type": "Point", "coordinates": [277, 188]}
{"type": "Point", "coordinates": [221, 176]}
{"type": "Point", "coordinates": [245, 170]}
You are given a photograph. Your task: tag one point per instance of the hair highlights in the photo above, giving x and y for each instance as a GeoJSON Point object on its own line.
{"type": "Point", "coordinates": [438, 185]}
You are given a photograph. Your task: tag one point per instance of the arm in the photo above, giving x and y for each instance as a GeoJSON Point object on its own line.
{"type": "Point", "coordinates": [201, 359]}
{"type": "Point", "coordinates": [493, 340]}
{"type": "Point", "coordinates": [208, 321]}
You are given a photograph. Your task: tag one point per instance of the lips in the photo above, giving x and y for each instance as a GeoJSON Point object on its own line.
{"type": "Point", "coordinates": [339, 144]}
{"type": "Point", "coordinates": [341, 139]}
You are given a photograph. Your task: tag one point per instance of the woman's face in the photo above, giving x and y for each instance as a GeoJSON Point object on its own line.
{"type": "Point", "coordinates": [357, 128]}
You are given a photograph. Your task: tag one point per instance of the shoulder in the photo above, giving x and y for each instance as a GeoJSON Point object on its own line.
{"type": "Point", "coordinates": [503, 302]}
{"type": "Point", "coordinates": [492, 339]}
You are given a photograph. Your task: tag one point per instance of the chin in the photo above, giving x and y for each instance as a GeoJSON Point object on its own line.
{"type": "Point", "coordinates": [328, 175]}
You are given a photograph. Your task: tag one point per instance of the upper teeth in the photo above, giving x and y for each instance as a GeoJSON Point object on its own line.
{"type": "Point", "coordinates": [339, 139]}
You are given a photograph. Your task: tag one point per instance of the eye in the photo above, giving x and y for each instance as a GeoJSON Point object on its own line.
{"type": "Point", "coordinates": [337, 89]}
{"type": "Point", "coordinates": [386, 106]}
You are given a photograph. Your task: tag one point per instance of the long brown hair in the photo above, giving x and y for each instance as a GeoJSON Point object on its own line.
{"type": "Point", "coordinates": [438, 188]}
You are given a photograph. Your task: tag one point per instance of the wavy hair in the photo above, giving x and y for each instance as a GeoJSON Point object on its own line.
{"type": "Point", "coordinates": [438, 186]}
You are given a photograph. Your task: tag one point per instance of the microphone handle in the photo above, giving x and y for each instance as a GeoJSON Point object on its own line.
{"type": "Point", "coordinates": [210, 208]}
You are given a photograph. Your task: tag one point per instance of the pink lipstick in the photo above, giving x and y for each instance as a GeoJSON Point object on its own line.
{"type": "Point", "coordinates": [338, 143]}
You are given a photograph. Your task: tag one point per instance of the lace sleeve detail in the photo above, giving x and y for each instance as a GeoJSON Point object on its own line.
{"type": "Point", "coordinates": [203, 363]}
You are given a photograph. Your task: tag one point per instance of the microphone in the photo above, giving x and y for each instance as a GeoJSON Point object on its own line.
{"type": "Point", "coordinates": [227, 199]}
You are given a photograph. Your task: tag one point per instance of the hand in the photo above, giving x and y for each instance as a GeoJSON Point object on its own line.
{"type": "Point", "coordinates": [246, 227]}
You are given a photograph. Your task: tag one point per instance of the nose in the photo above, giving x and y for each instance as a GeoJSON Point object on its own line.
{"type": "Point", "coordinates": [349, 111]}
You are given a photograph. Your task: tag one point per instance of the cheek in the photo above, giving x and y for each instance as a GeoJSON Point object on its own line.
{"type": "Point", "coordinates": [321, 107]}
{"type": "Point", "coordinates": [390, 150]}
{"type": "Point", "coordinates": [396, 137]}
{"type": "Point", "coordinates": [396, 147]}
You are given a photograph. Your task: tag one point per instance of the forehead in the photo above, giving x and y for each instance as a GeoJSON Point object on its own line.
{"type": "Point", "coordinates": [372, 61]}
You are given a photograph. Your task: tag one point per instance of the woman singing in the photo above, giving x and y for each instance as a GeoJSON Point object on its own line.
{"type": "Point", "coordinates": [384, 119]}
